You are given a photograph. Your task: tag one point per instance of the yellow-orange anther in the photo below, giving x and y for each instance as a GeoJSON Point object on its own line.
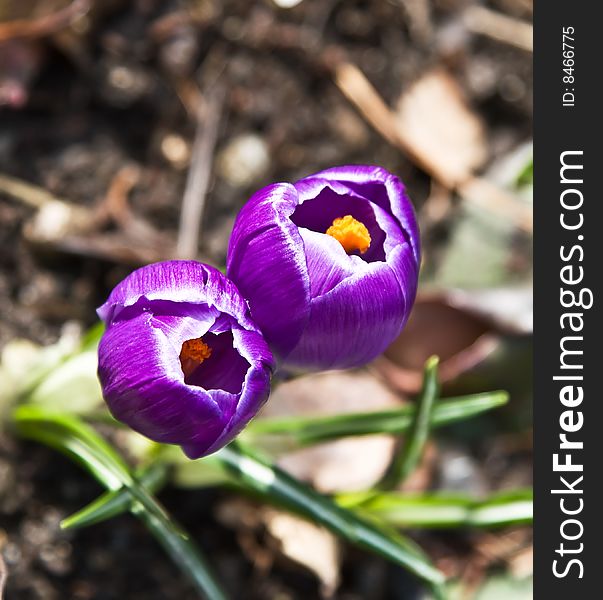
{"type": "Point", "coordinates": [193, 353]}
{"type": "Point", "coordinates": [351, 234]}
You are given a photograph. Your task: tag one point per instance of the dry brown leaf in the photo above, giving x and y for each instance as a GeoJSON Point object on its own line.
{"type": "Point", "coordinates": [477, 336]}
{"type": "Point", "coordinates": [345, 465]}
{"type": "Point", "coordinates": [290, 537]}
{"type": "Point", "coordinates": [521, 564]}
{"type": "Point", "coordinates": [503, 546]}
{"type": "Point", "coordinates": [436, 129]}
{"type": "Point", "coordinates": [466, 342]}
{"type": "Point", "coordinates": [440, 128]}
{"type": "Point", "coordinates": [308, 545]}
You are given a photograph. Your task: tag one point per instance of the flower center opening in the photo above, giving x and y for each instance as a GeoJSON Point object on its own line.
{"type": "Point", "coordinates": [351, 234]}
{"type": "Point", "coordinates": [193, 353]}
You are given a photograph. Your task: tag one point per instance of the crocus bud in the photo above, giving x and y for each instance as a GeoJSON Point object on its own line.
{"type": "Point", "coordinates": [181, 362]}
{"type": "Point", "coordinates": [328, 265]}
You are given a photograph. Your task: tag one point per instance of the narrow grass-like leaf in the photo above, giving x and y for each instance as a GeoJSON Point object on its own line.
{"type": "Point", "coordinates": [304, 431]}
{"type": "Point", "coordinates": [443, 511]}
{"type": "Point", "coordinates": [278, 434]}
{"type": "Point", "coordinates": [405, 461]}
{"type": "Point", "coordinates": [71, 436]}
{"type": "Point", "coordinates": [254, 474]}
{"type": "Point", "coordinates": [115, 502]}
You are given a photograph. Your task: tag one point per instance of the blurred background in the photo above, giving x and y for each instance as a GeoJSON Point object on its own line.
{"type": "Point", "coordinates": [133, 132]}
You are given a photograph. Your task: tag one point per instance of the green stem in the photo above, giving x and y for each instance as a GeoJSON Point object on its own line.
{"type": "Point", "coordinates": [405, 461]}
{"type": "Point", "coordinates": [277, 435]}
{"type": "Point", "coordinates": [177, 543]}
{"type": "Point", "coordinates": [269, 481]}
{"type": "Point", "coordinates": [115, 502]}
{"type": "Point", "coordinates": [74, 438]}
{"type": "Point", "coordinates": [441, 510]}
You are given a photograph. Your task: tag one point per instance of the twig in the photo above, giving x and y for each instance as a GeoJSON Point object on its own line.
{"type": "Point", "coordinates": [145, 241]}
{"type": "Point", "coordinates": [116, 248]}
{"type": "Point", "coordinates": [500, 27]}
{"type": "Point", "coordinates": [197, 183]}
{"type": "Point", "coordinates": [419, 16]}
{"type": "Point", "coordinates": [116, 198]}
{"type": "Point", "coordinates": [45, 25]}
{"type": "Point", "coordinates": [190, 96]}
{"type": "Point", "coordinates": [360, 91]}
{"type": "Point", "coordinates": [74, 232]}
{"type": "Point", "coordinates": [73, 227]}
{"type": "Point", "coordinates": [28, 193]}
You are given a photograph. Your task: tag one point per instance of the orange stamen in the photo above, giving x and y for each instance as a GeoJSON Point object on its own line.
{"type": "Point", "coordinates": [351, 234]}
{"type": "Point", "coordinates": [193, 353]}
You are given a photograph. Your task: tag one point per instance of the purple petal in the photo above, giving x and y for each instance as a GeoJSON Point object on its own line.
{"type": "Point", "coordinates": [320, 202]}
{"type": "Point", "coordinates": [143, 385]}
{"type": "Point", "coordinates": [179, 281]}
{"type": "Point", "coordinates": [402, 263]}
{"type": "Point", "coordinates": [178, 329]}
{"type": "Point", "coordinates": [354, 322]}
{"type": "Point", "coordinates": [149, 317]}
{"type": "Point", "coordinates": [254, 395]}
{"type": "Point", "coordinates": [224, 370]}
{"type": "Point", "coordinates": [267, 262]}
{"type": "Point", "coordinates": [324, 200]}
{"type": "Point", "coordinates": [253, 348]}
{"type": "Point", "coordinates": [384, 193]}
{"type": "Point", "coordinates": [332, 201]}
{"type": "Point", "coordinates": [377, 185]}
{"type": "Point", "coordinates": [328, 263]}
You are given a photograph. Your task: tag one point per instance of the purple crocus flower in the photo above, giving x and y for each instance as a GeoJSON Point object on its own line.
{"type": "Point", "coordinates": [181, 361]}
{"type": "Point", "coordinates": [329, 265]}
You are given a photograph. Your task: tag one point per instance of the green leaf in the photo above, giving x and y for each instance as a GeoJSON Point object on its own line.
{"type": "Point", "coordinates": [71, 436]}
{"type": "Point", "coordinates": [284, 434]}
{"type": "Point", "coordinates": [405, 461]}
{"type": "Point", "coordinates": [305, 431]}
{"type": "Point", "coordinates": [114, 503]}
{"type": "Point", "coordinates": [270, 482]}
{"type": "Point", "coordinates": [443, 511]}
